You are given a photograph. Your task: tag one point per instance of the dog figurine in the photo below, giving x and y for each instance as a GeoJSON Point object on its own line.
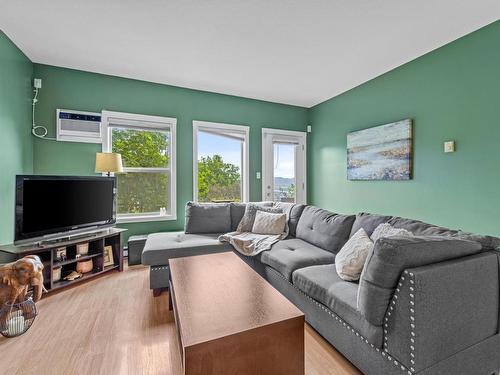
{"type": "Point", "coordinates": [18, 276]}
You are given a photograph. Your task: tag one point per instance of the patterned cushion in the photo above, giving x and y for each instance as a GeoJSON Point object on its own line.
{"type": "Point", "coordinates": [351, 258]}
{"type": "Point", "coordinates": [269, 223]}
{"type": "Point", "coordinates": [387, 230]}
{"type": "Point", "coordinates": [246, 223]}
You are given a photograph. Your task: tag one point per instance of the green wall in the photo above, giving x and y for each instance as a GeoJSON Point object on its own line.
{"type": "Point", "coordinates": [452, 93]}
{"type": "Point", "coordinates": [16, 148]}
{"type": "Point", "coordinates": [72, 89]}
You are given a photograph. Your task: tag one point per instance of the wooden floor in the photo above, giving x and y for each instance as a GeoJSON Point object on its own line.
{"type": "Point", "coordinates": [113, 325]}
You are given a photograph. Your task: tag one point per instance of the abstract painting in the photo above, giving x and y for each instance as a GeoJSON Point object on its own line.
{"type": "Point", "coordinates": [380, 153]}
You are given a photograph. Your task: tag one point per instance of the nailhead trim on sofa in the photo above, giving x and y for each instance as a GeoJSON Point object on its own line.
{"type": "Point", "coordinates": [158, 268]}
{"type": "Point", "coordinates": [352, 330]}
{"type": "Point", "coordinates": [412, 320]}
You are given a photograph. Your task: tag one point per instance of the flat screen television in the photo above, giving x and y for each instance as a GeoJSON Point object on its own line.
{"type": "Point", "coordinates": [49, 207]}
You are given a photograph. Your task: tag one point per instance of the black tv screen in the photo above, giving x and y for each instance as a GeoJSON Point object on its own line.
{"type": "Point", "coordinates": [48, 205]}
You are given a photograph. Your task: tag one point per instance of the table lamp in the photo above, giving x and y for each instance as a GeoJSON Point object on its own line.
{"type": "Point", "coordinates": [107, 162]}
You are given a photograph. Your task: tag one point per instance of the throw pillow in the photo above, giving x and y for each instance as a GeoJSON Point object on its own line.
{"type": "Point", "coordinates": [246, 223]}
{"type": "Point", "coordinates": [351, 258]}
{"type": "Point", "coordinates": [387, 230]}
{"type": "Point", "coordinates": [269, 223]}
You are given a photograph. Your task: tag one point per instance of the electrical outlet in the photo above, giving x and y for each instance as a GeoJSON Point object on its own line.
{"type": "Point", "coordinates": [309, 128]}
{"type": "Point", "coordinates": [258, 175]}
{"type": "Point", "coordinates": [37, 83]}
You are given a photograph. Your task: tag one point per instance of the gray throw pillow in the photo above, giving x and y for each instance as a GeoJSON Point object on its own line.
{"type": "Point", "coordinates": [208, 218]}
{"type": "Point", "coordinates": [246, 223]}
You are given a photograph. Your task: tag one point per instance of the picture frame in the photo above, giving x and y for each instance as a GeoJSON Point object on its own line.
{"type": "Point", "coordinates": [383, 152]}
{"type": "Point", "coordinates": [108, 256]}
{"type": "Point", "coordinates": [61, 254]}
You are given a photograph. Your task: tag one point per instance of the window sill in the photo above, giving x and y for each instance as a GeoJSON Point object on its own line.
{"type": "Point", "coordinates": [143, 219]}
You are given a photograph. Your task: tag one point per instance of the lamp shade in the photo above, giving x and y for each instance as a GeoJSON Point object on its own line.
{"type": "Point", "coordinates": [107, 162]}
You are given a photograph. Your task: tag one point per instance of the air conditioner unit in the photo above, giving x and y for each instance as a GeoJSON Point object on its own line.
{"type": "Point", "coordinates": [78, 126]}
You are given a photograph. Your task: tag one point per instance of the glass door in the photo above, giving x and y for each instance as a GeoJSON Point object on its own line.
{"type": "Point", "coordinates": [283, 166]}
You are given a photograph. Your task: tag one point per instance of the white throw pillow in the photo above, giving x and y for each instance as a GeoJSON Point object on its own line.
{"type": "Point", "coordinates": [269, 223]}
{"type": "Point", "coordinates": [387, 230]}
{"type": "Point", "coordinates": [351, 258]}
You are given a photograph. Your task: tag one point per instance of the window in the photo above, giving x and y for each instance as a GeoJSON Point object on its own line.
{"type": "Point", "coordinates": [146, 189]}
{"type": "Point", "coordinates": [220, 162]}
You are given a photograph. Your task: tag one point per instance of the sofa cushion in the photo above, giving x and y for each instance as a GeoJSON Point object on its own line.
{"type": "Point", "coordinates": [288, 255]}
{"type": "Point", "coordinates": [160, 247]}
{"type": "Point", "coordinates": [368, 222]}
{"type": "Point", "coordinates": [391, 256]}
{"type": "Point", "coordinates": [323, 284]}
{"type": "Point", "coordinates": [387, 230]}
{"type": "Point", "coordinates": [419, 228]}
{"type": "Point", "coordinates": [208, 217]}
{"type": "Point", "coordinates": [487, 242]}
{"type": "Point", "coordinates": [238, 210]}
{"type": "Point", "coordinates": [324, 228]}
{"type": "Point", "coordinates": [295, 214]}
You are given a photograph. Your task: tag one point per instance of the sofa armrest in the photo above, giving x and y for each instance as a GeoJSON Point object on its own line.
{"type": "Point", "coordinates": [441, 309]}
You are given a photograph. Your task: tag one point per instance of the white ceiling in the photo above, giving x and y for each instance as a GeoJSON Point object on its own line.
{"type": "Point", "coordinates": [286, 51]}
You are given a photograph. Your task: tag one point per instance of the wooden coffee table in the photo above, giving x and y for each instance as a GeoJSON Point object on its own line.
{"type": "Point", "coordinates": [232, 321]}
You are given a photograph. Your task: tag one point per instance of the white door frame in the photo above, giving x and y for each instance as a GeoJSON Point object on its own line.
{"type": "Point", "coordinates": [245, 175]}
{"type": "Point", "coordinates": [278, 135]}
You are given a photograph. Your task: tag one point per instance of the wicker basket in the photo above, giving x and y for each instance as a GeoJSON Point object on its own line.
{"type": "Point", "coordinates": [85, 266]}
{"type": "Point", "coordinates": [17, 318]}
{"type": "Point", "coordinates": [56, 274]}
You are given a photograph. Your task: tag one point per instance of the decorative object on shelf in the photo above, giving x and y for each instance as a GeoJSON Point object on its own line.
{"type": "Point", "coordinates": [17, 318]}
{"type": "Point", "coordinates": [56, 273]}
{"type": "Point", "coordinates": [108, 256]}
{"type": "Point", "coordinates": [17, 277]}
{"type": "Point", "coordinates": [85, 266]}
{"type": "Point", "coordinates": [381, 153]}
{"type": "Point", "coordinates": [61, 254]}
{"type": "Point", "coordinates": [73, 276]}
{"type": "Point", "coordinates": [108, 162]}
{"type": "Point", "coordinates": [82, 248]}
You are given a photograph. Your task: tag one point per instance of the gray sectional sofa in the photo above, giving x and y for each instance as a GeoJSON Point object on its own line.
{"type": "Point", "coordinates": [427, 304]}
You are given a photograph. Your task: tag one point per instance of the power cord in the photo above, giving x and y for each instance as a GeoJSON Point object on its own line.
{"type": "Point", "coordinates": [38, 131]}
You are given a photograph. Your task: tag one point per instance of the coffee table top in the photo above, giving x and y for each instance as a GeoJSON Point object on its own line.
{"type": "Point", "coordinates": [218, 295]}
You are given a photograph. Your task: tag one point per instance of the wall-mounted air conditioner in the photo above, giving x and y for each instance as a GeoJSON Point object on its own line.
{"type": "Point", "coordinates": [78, 126]}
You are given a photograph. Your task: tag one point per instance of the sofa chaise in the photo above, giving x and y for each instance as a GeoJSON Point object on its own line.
{"type": "Point", "coordinates": [427, 304]}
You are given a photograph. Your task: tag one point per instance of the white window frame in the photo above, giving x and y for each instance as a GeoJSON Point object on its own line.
{"type": "Point", "coordinates": [286, 136]}
{"type": "Point", "coordinates": [245, 160]}
{"type": "Point", "coordinates": [168, 123]}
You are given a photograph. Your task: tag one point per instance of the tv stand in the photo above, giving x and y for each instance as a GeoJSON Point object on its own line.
{"type": "Point", "coordinates": [97, 241]}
